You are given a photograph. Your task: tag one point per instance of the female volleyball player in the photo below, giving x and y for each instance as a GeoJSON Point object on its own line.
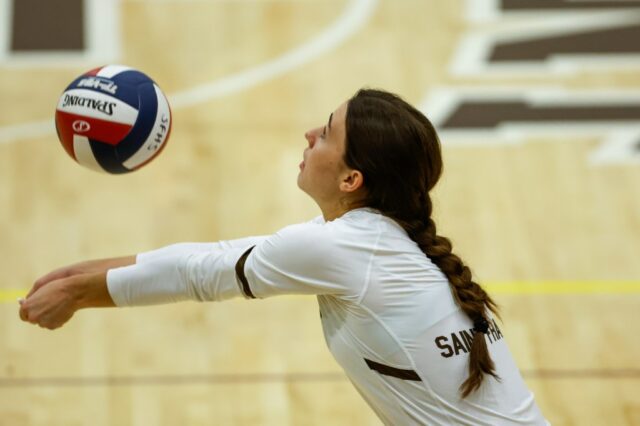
{"type": "Point", "coordinates": [400, 312]}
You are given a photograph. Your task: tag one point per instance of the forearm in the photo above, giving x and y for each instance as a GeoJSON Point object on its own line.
{"type": "Point", "coordinates": [103, 265]}
{"type": "Point", "coordinates": [199, 276]}
{"type": "Point", "coordinates": [91, 291]}
{"type": "Point", "coordinates": [81, 268]}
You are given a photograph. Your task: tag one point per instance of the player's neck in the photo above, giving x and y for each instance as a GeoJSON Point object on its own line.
{"type": "Point", "coordinates": [332, 211]}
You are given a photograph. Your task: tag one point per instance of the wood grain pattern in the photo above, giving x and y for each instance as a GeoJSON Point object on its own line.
{"type": "Point", "coordinates": [535, 211]}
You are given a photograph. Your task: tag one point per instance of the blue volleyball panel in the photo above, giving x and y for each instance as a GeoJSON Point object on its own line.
{"type": "Point", "coordinates": [125, 92]}
{"type": "Point", "coordinates": [131, 78]}
{"type": "Point", "coordinates": [107, 157]}
{"type": "Point", "coordinates": [144, 124]}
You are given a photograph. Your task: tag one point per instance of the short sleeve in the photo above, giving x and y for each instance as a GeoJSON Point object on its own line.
{"type": "Point", "coordinates": [299, 259]}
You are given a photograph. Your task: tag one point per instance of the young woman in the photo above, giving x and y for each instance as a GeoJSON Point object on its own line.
{"type": "Point", "coordinates": [400, 312]}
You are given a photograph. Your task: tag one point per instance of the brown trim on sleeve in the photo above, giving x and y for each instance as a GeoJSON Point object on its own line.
{"type": "Point", "coordinates": [392, 371]}
{"type": "Point", "coordinates": [241, 276]}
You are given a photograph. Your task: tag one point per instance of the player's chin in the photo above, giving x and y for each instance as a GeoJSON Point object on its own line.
{"type": "Point", "coordinates": [304, 185]}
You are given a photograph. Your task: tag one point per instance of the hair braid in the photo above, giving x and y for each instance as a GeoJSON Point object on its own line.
{"type": "Point", "coordinates": [469, 295]}
{"type": "Point", "coordinates": [397, 150]}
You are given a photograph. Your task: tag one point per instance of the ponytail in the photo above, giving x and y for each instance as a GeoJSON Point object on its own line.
{"type": "Point", "coordinates": [397, 150]}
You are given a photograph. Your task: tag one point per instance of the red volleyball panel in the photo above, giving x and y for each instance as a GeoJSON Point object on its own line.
{"type": "Point", "coordinates": [94, 71]}
{"type": "Point", "coordinates": [93, 128]}
{"type": "Point", "coordinates": [65, 134]}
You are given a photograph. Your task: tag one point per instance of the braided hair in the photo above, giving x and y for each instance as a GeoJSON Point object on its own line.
{"type": "Point", "coordinates": [397, 150]}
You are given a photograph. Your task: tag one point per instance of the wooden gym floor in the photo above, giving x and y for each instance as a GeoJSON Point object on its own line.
{"type": "Point", "coordinates": [547, 215]}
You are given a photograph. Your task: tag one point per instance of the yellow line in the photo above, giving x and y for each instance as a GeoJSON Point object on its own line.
{"type": "Point", "coordinates": [497, 287]}
{"type": "Point", "coordinates": [12, 295]}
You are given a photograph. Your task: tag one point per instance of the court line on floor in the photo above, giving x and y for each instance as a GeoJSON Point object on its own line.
{"type": "Point", "coordinates": [506, 287]}
{"type": "Point", "coordinates": [266, 378]}
{"type": "Point", "coordinates": [353, 17]}
{"type": "Point", "coordinates": [12, 295]}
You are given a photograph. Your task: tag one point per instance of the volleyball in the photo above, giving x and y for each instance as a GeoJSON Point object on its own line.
{"type": "Point", "coordinates": [113, 119]}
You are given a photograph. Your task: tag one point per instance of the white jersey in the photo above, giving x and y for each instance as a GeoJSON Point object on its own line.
{"type": "Point", "coordinates": [388, 314]}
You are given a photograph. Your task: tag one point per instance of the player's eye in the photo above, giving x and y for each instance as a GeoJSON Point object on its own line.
{"type": "Point", "coordinates": [324, 132]}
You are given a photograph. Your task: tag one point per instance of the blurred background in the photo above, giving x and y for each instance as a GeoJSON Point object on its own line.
{"type": "Point", "coordinates": [538, 107]}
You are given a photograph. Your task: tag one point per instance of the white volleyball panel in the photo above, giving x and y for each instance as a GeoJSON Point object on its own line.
{"type": "Point", "coordinates": [110, 71]}
{"type": "Point", "coordinates": [84, 154]}
{"type": "Point", "coordinates": [89, 103]}
{"type": "Point", "coordinates": [158, 134]}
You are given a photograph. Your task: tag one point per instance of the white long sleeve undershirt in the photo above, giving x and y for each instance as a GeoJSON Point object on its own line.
{"type": "Point", "coordinates": [178, 272]}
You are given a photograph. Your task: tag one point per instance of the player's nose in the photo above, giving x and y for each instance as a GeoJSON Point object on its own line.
{"type": "Point", "coordinates": [312, 135]}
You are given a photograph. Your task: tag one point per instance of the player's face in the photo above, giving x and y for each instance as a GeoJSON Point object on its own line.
{"type": "Point", "coordinates": [323, 165]}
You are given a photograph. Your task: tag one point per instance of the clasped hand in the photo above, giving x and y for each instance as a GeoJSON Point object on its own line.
{"type": "Point", "coordinates": [55, 297]}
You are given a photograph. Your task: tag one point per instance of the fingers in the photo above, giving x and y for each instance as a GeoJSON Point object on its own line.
{"type": "Point", "coordinates": [50, 322]}
{"type": "Point", "coordinates": [26, 313]}
{"type": "Point", "coordinates": [50, 307]}
{"type": "Point", "coordinates": [23, 310]}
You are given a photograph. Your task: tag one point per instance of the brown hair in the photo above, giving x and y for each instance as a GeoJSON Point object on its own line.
{"type": "Point", "coordinates": [397, 150]}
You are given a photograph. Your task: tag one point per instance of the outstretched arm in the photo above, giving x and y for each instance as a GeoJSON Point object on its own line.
{"type": "Point", "coordinates": [103, 265]}
{"type": "Point", "coordinates": [179, 272]}
{"type": "Point", "coordinates": [284, 263]}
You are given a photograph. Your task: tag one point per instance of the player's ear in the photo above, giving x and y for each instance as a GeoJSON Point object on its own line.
{"type": "Point", "coordinates": [352, 180]}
